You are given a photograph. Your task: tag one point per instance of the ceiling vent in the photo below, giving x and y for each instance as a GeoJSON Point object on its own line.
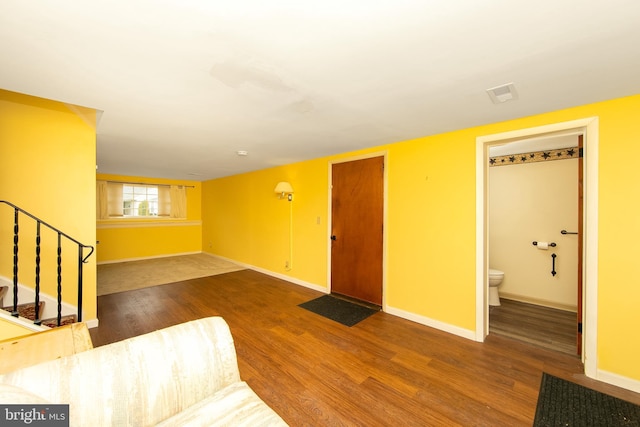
{"type": "Point", "coordinates": [503, 93]}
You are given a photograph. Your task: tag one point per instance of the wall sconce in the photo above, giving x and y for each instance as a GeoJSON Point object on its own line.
{"type": "Point", "coordinates": [284, 188]}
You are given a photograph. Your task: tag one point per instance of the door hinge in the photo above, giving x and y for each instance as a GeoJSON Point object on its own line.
{"type": "Point", "coordinates": [579, 327]}
{"type": "Point", "coordinates": [581, 152]}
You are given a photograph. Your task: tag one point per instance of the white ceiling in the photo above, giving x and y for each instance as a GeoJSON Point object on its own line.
{"type": "Point", "coordinates": [184, 84]}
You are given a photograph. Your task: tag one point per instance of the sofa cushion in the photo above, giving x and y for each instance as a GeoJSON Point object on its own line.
{"type": "Point", "coordinates": [235, 405]}
{"type": "Point", "coordinates": [139, 381]}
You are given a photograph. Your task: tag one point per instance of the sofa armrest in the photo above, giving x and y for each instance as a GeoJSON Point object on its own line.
{"type": "Point", "coordinates": [139, 381]}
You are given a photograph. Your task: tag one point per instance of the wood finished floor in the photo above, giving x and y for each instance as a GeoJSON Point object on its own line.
{"type": "Point", "coordinates": [384, 371]}
{"type": "Point", "coordinates": [542, 326]}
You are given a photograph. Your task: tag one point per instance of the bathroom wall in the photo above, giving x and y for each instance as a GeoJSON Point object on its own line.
{"type": "Point", "coordinates": [534, 202]}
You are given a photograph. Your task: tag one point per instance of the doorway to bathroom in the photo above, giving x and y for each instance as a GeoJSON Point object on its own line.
{"type": "Point", "coordinates": [533, 220]}
{"type": "Point", "coordinates": [588, 127]}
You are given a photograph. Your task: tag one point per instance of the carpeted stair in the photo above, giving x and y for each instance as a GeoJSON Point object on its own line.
{"type": "Point", "coordinates": [28, 311]}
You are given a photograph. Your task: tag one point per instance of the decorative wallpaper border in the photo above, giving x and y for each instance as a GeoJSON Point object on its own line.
{"type": "Point", "coordinates": [537, 156]}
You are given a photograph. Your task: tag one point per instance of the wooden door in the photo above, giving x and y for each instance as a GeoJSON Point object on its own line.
{"type": "Point", "coordinates": [356, 229]}
{"type": "Point", "coordinates": [580, 243]}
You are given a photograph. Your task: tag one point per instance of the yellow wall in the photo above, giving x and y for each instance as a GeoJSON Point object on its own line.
{"type": "Point", "coordinates": [47, 167]}
{"type": "Point", "coordinates": [126, 239]}
{"type": "Point", "coordinates": [244, 220]}
{"type": "Point", "coordinates": [47, 158]}
{"type": "Point", "coordinates": [430, 229]}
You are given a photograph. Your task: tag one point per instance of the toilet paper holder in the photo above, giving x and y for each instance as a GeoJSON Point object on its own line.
{"type": "Point", "coordinates": [552, 244]}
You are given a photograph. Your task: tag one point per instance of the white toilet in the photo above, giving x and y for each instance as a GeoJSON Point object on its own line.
{"type": "Point", "coordinates": [495, 278]}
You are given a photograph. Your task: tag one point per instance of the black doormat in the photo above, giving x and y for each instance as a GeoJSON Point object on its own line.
{"type": "Point", "coordinates": [563, 403]}
{"type": "Point", "coordinates": [338, 309]}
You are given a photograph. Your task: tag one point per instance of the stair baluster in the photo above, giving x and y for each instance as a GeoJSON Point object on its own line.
{"type": "Point", "coordinates": [80, 264]}
{"type": "Point", "coordinates": [37, 319]}
{"type": "Point", "coordinates": [15, 309]}
{"type": "Point", "coordinates": [59, 278]}
{"type": "Point", "coordinates": [16, 228]}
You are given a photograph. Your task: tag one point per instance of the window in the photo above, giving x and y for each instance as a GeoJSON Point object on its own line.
{"type": "Point", "coordinates": [129, 200]}
{"type": "Point", "coordinates": [139, 200]}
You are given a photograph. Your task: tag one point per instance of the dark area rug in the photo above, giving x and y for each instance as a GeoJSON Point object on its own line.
{"type": "Point", "coordinates": [563, 403]}
{"type": "Point", "coordinates": [338, 309]}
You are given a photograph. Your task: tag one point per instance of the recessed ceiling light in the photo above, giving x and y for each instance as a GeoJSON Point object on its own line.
{"type": "Point", "coordinates": [503, 93]}
{"type": "Point", "coordinates": [242, 152]}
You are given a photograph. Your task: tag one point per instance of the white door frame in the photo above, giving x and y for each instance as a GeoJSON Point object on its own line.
{"type": "Point", "coordinates": [589, 128]}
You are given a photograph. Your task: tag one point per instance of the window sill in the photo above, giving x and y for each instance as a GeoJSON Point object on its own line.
{"type": "Point", "coordinates": [145, 222]}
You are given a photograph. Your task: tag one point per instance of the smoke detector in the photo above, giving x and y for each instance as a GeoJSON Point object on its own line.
{"type": "Point", "coordinates": [503, 93]}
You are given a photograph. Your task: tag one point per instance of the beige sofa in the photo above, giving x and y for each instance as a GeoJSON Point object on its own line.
{"type": "Point", "coordinates": [184, 375]}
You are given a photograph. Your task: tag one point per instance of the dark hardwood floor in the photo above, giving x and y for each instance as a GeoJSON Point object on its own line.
{"type": "Point", "coordinates": [542, 326]}
{"type": "Point", "coordinates": [384, 371]}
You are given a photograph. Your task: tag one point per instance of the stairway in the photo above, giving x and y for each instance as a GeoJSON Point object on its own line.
{"type": "Point", "coordinates": [46, 251]}
{"type": "Point", "coordinates": [28, 311]}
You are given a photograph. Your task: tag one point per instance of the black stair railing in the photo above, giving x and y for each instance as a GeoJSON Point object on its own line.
{"type": "Point", "coordinates": [82, 259]}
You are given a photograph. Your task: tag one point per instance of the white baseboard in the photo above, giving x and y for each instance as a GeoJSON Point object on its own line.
{"type": "Point", "coordinates": [537, 301]}
{"type": "Point", "coordinates": [455, 330]}
{"type": "Point", "coordinates": [436, 324]}
{"type": "Point", "coordinates": [93, 323]}
{"type": "Point", "coordinates": [27, 295]}
{"type": "Point", "coordinates": [249, 266]}
{"type": "Point", "coordinates": [618, 380]}
{"type": "Point", "coordinates": [274, 274]}
{"type": "Point", "coordinates": [117, 261]}
{"type": "Point", "coordinates": [290, 279]}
